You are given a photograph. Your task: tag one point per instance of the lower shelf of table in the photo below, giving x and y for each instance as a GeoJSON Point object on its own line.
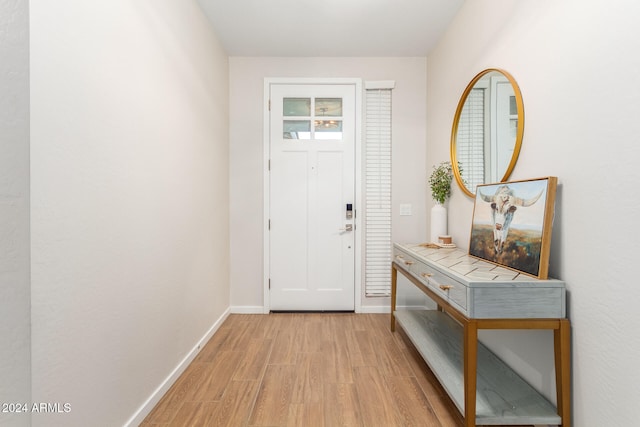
{"type": "Point", "coordinates": [502, 397]}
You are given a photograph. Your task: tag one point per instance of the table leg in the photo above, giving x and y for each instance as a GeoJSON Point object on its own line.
{"type": "Point", "coordinates": [394, 288]}
{"type": "Point", "coordinates": [470, 352]}
{"type": "Point", "coordinates": [562, 353]}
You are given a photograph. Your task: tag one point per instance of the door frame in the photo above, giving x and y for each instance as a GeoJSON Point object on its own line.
{"type": "Point", "coordinates": [357, 83]}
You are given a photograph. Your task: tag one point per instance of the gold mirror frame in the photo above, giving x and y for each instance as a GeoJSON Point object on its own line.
{"type": "Point", "coordinates": [456, 121]}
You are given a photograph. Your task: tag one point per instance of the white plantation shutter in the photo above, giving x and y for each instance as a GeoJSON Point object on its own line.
{"type": "Point", "coordinates": [378, 189]}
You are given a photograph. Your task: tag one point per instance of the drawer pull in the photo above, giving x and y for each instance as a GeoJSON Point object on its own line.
{"type": "Point", "coordinates": [404, 261]}
{"type": "Point", "coordinates": [445, 287]}
{"type": "Point", "coordinates": [426, 275]}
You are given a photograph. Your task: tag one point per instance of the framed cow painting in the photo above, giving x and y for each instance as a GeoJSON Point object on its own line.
{"type": "Point", "coordinates": [512, 222]}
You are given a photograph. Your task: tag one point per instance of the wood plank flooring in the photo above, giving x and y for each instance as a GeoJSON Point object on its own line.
{"type": "Point", "coordinates": [306, 370]}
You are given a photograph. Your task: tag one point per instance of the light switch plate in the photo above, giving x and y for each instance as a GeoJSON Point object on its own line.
{"type": "Point", "coordinates": [405, 209]}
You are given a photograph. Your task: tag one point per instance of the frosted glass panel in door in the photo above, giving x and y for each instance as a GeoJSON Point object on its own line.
{"type": "Point", "coordinates": [328, 107]}
{"type": "Point", "coordinates": [296, 107]}
{"type": "Point", "coordinates": [328, 129]}
{"type": "Point", "coordinates": [296, 129]}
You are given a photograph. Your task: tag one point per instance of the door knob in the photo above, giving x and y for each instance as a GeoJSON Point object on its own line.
{"type": "Point", "coordinates": [347, 227]}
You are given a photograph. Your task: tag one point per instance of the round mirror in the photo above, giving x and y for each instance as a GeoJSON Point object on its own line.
{"type": "Point", "coordinates": [487, 130]}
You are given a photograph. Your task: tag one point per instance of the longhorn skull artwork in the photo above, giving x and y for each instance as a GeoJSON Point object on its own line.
{"type": "Point", "coordinates": [512, 223]}
{"type": "Point", "coordinates": [504, 204]}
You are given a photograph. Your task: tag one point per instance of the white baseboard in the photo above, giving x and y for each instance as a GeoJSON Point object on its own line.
{"type": "Point", "coordinates": [155, 397]}
{"type": "Point", "coordinates": [247, 309]}
{"type": "Point", "coordinates": [374, 309]}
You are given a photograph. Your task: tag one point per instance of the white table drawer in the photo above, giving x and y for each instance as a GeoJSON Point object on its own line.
{"type": "Point", "coordinates": [449, 289]}
{"type": "Point", "coordinates": [479, 289]}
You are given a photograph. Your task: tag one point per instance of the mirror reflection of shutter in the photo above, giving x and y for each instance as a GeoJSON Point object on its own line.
{"type": "Point", "coordinates": [377, 221]}
{"type": "Point", "coordinates": [470, 139]}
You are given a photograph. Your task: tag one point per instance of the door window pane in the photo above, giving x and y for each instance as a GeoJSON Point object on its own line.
{"type": "Point", "coordinates": [296, 129]}
{"type": "Point", "coordinates": [296, 107]}
{"type": "Point", "coordinates": [328, 107]}
{"type": "Point", "coordinates": [328, 129]}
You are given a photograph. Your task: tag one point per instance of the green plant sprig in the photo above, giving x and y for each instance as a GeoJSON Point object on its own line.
{"type": "Point", "coordinates": [440, 182]}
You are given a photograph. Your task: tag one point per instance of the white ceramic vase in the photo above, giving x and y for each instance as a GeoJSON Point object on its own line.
{"type": "Point", "coordinates": [438, 222]}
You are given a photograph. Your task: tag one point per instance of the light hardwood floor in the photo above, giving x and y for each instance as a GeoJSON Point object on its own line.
{"type": "Point", "coordinates": [306, 370]}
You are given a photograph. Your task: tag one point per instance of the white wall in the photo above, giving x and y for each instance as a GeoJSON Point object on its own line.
{"type": "Point", "coordinates": [15, 313]}
{"type": "Point", "coordinates": [246, 126]}
{"type": "Point", "coordinates": [129, 160]}
{"type": "Point", "coordinates": [575, 64]}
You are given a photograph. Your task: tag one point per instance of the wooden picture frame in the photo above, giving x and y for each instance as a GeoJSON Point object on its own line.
{"type": "Point", "coordinates": [512, 222]}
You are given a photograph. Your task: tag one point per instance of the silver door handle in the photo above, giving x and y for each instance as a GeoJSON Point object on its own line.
{"type": "Point", "coordinates": [347, 227]}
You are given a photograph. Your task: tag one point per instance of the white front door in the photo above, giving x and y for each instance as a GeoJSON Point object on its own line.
{"type": "Point", "coordinates": [311, 188]}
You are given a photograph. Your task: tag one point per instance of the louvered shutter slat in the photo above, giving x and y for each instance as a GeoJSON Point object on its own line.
{"type": "Point", "coordinates": [378, 193]}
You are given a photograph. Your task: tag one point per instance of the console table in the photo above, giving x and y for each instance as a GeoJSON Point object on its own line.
{"type": "Point", "coordinates": [472, 294]}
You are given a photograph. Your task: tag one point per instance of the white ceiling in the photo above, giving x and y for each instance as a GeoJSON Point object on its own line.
{"type": "Point", "coordinates": [329, 27]}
